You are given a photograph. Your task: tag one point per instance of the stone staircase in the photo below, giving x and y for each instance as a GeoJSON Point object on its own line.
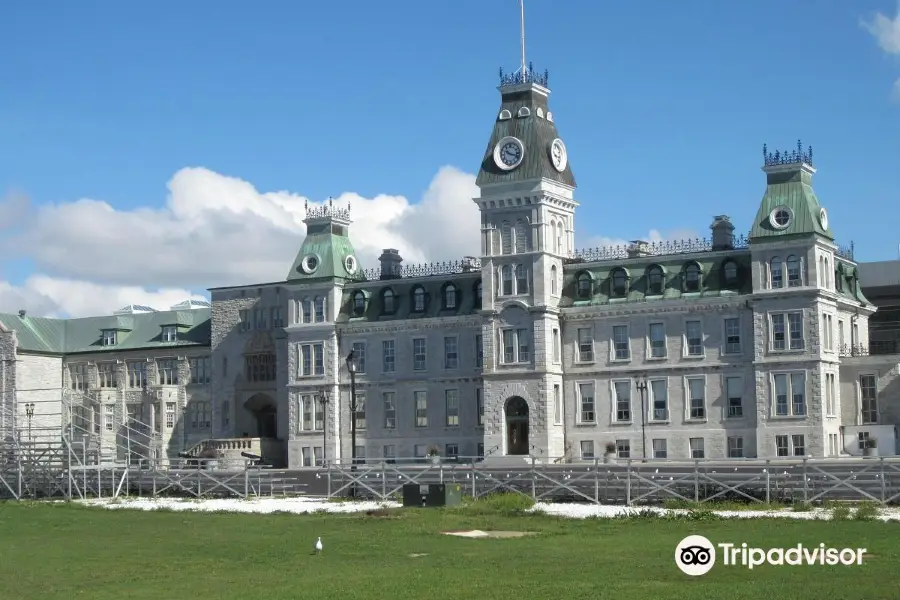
{"type": "Point", "coordinates": [229, 450]}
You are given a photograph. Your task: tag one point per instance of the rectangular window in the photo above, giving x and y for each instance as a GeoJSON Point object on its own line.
{"type": "Point", "coordinates": [623, 448]}
{"type": "Point", "coordinates": [693, 338]}
{"type": "Point", "coordinates": [781, 445]}
{"type": "Point", "coordinates": [587, 449]}
{"type": "Point", "coordinates": [509, 345]}
{"type": "Point", "coordinates": [170, 415]}
{"type": "Point", "coordinates": [200, 415]}
{"type": "Point", "coordinates": [556, 353]}
{"type": "Point", "coordinates": [360, 412]}
{"type": "Point", "coordinates": [260, 320]}
{"type": "Point", "coordinates": [868, 399]}
{"type": "Point", "coordinates": [735, 447]}
{"type": "Point", "coordinates": [109, 417]}
{"type": "Point", "coordinates": [827, 332]}
{"type": "Point", "coordinates": [790, 394]}
{"type": "Point", "coordinates": [451, 354]}
{"type": "Point", "coordinates": [109, 337]}
{"type": "Point", "coordinates": [277, 316]}
{"type": "Point", "coordinates": [200, 370]}
{"type": "Point", "coordinates": [734, 394]}
{"type": "Point", "coordinates": [830, 404]}
{"type": "Point", "coordinates": [307, 409]}
{"type": "Point", "coordinates": [387, 354]}
{"type": "Point", "coordinates": [795, 326]}
{"type": "Point", "coordinates": [78, 377]}
{"type": "Point", "coordinates": [137, 373]}
{"type": "Point", "coordinates": [621, 342]}
{"type": "Point", "coordinates": [451, 452]}
{"type": "Point", "coordinates": [660, 448]}
{"type": "Point", "coordinates": [244, 319]}
{"type": "Point", "coordinates": [319, 309]}
{"type": "Point", "coordinates": [557, 404]}
{"type": "Point", "coordinates": [421, 402]}
{"type": "Point", "coordinates": [657, 335]}
{"type": "Point", "coordinates": [259, 367]}
{"type": "Point", "coordinates": [451, 404]}
{"type": "Point", "coordinates": [696, 391]}
{"type": "Point", "coordinates": [523, 340]}
{"type": "Point", "coordinates": [732, 335]}
{"type": "Point", "coordinates": [359, 355]}
{"type": "Point", "coordinates": [586, 344]}
{"type": "Point", "coordinates": [798, 442]}
{"type": "Point", "coordinates": [698, 449]}
{"type": "Point", "coordinates": [390, 454]}
{"type": "Point", "coordinates": [419, 354]}
{"type": "Point", "coordinates": [479, 449]}
{"type": "Point", "coordinates": [659, 398]}
{"type": "Point", "coordinates": [787, 331]}
{"type": "Point", "coordinates": [841, 337]}
{"type": "Point", "coordinates": [390, 411]}
{"type": "Point", "coordinates": [312, 360]}
{"type": "Point", "coordinates": [306, 451]}
{"type": "Point", "coordinates": [168, 371]}
{"type": "Point", "coordinates": [419, 452]}
{"type": "Point", "coordinates": [107, 374]}
{"type": "Point", "coordinates": [622, 392]}
{"type": "Point", "coordinates": [479, 405]}
{"type": "Point", "coordinates": [586, 394]}
{"type": "Point", "coordinates": [862, 440]}
{"type": "Point", "coordinates": [479, 351]}
{"type": "Point", "coordinates": [169, 333]}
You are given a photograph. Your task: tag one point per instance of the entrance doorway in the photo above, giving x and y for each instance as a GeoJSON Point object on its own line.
{"type": "Point", "coordinates": [517, 426]}
{"type": "Point", "coordinates": [265, 413]}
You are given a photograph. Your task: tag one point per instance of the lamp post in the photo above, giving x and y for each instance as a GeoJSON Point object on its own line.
{"type": "Point", "coordinates": [323, 400]}
{"type": "Point", "coordinates": [642, 388]}
{"type": "Point", "coordinates": [351, 368]}
{"type": "Point", "coordinates": [29, 413]}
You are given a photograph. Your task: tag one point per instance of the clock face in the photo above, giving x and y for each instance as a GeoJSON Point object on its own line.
{"type": "Point", "coordinates": [558, 155]}
{"type": "Point", "coordinates": [508, 153]}
{"type": "Point", "coordinates": [823, 218]}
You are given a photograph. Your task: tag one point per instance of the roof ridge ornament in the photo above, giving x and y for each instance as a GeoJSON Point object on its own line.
{"type": "Point", "coordinates": [795, 157]}
{"type": "Point", "coordinates": [327, 210]}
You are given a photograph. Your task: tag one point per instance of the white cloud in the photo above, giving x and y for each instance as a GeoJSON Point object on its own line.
{"type": "Point", "coordinates": [90, 258]}
{"type": "Point", "coordinates": [885, 30]}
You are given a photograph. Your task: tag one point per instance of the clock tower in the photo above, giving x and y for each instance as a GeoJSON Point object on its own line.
{"type": "Point", "coordinates": [527, 223]}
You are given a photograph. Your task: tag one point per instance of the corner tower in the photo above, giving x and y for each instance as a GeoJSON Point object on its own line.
{"type": "Point", "coordinates": [527, 221]}
{"type": "Point", "coordinates": [327, 251]}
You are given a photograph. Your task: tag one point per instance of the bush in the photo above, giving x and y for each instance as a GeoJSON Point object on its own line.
{"type": "Point", "coordinates": [506, 503]}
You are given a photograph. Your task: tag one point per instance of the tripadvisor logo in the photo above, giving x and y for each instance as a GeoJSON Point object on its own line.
{"type": "Point", "coordinates": [696, 555]}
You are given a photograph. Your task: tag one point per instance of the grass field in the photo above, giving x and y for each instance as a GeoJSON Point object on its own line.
{"type": "Point", "coordinates": [50, 551]}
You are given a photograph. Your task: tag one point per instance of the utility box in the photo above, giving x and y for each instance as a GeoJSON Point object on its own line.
{"type": "Point", "coordinates": [433, 494]}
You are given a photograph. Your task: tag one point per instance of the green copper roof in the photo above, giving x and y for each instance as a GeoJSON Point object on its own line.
{"type": "Point", "coordinates": [136, 331]}
{"type": "Point", "coordinates": [324, 253]}
{"type": "Point", "coordinates": [791, 187]}
{"type": "Point", "coordinates": [536, 134]}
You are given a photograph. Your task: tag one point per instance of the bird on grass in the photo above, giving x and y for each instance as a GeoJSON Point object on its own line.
{"type": "Point", "coordinates": [318, 547]}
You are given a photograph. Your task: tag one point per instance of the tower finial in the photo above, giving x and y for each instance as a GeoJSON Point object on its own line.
{"type": "Point", "coordinates": [522, 22]}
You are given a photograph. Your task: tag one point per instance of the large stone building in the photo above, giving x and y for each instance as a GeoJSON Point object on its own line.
{"type": "Point", "coordinates": [740, 346]}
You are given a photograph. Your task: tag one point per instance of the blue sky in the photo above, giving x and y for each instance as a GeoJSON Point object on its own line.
{"type": "Point", "coordinates": [664, 106]}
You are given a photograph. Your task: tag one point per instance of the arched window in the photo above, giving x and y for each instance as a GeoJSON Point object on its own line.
{"type": "Point", "coordinates": [828, 274]}
{"type": "Point", "coordinates": [655, 281]}
{"type": "Point", "coordinates": [320, 309]}
{"type": "Point", "coordinates": [359, 303]}
{"type": "Point", "coordinates": [388, 301]}
{"type": "Point", "coordinates": [418, 299]}
{"type": "Point", "coordinates": [450, 296]}
{"type": "Point", "coordinates": [521, 279]}
{"type": "Point", "coordinates": [619, 283]}
{"type": "Point", "coordinates": [306, 306]}
{"type": "Point", "coordinates": [776, 272]}
{"type": "Point", "coordinates": [523, 236]}
{"type": "Point", "coordinates": [585, 285]}
{"type": "Point", "coordinates": [560, 232]}
{"type": "Point", "coordinates": [692, 278]}
{"type": "Point", "coordinates": [478, 294]}
{"type": "Point", "coordinates": [730, 272]}
{"type": "Point", "coordinates": [553, 289]}
{"type": "Point", "coordinates": [793, 271]}
{"type": "Point", "coordinates": [506, 280]}
{"type": "Point", "coordinates": [506, 235]}
{"type": "Point", "coordinates": [554, 241]}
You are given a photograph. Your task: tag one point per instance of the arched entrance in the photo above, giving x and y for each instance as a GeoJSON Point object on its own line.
{"type": "Point", "coordinates": [266, 414]}
{"type": "Point", "coordinates": [517, 426]}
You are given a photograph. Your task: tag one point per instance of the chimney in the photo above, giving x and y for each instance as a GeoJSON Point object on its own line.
{"type": "Point", "coordinates": [469, 264]}
{"type": "Point", "coordinates": [390, 260]}
{"type": "Point", "coordinates": [639, 248]}
{"type": "Point", "coordinates": [722, 233]}
{"type": "Point", "coordinates": [22, 314]}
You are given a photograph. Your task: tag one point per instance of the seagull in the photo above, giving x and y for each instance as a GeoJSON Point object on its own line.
{"type": "Point", "coordinates": [318, 545]}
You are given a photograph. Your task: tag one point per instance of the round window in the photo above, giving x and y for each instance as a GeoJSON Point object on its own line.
{"type": "Point", "coordinates": [310, 263]}
{"type": "Point", "coordinates": [350, 264]}
{"type": "Point", "coordinates": [780, 217]}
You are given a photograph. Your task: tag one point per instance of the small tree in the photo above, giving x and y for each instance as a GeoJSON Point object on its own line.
{"type": "Point", "coordinates": [871, 443]}
{"type": "Point", "coordinates": [434, 450]}
{"type": "Point", "coordinates": [610, 448]}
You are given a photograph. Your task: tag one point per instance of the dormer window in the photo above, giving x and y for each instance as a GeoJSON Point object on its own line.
{"type": "Point", "coordinates": [169, 333]}
{"type": "Point", "coordinates": [109, 337]}
{"type": "Point", "coordinates": [524, 112]}
{"type": "Point", "coordinates": [584, 285]}
{"type": "Point", "coordinates": [619, 283]}
{"type": "Point", "coordinates": [730, 272]}
{"type": "Point", "coordinates": [692, 278]}
{"type": "Point", "coordinates": [449, 296]}
{"type": "Point", "coordinates": [388, 302]}
{"type": "Point", "coordinates": [359, 303]}
{"type": "Point", "coordinates": [418, 297]}
{"type": "Point", "coordinates": [655, 281]}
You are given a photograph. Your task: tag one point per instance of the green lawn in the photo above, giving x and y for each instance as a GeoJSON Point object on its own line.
{"type": "Point", "coordinates": [66, 551]}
